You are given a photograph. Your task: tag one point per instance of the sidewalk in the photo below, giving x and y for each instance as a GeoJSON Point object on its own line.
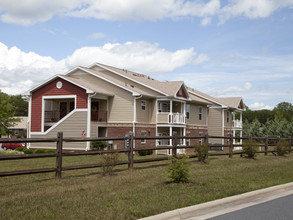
{"type": "Point", "coordinates": [226, 205]}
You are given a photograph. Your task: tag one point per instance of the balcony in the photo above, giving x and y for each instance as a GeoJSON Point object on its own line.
{"type": "Point", "coordinates": [100, 116]}
{"type": "Point", "coordinates": [171, 118]}
{"type": "Point", "coordinates": [52, 116]}
{"type": "Point", "coordinates": [237, 124]}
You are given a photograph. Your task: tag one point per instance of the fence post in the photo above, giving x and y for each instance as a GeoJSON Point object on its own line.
{"type": "Point", "coordinates": [206, 141]}
{"type": "Point", "coordinates": [290, 144]}
{"type": "Point", "coordinates": [130, 152]}
{"type": "Point", "coordinates": [266, 145]}
{"type": "Point", "coordinates": [174, 143]}
{"type": "Point", "coordinates": [58, 173]}
{"type": "Point", "coordinates": [231, 146]}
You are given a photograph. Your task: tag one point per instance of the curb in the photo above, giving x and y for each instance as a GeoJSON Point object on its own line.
{"type": "Point", "coordinates": [198, 210]}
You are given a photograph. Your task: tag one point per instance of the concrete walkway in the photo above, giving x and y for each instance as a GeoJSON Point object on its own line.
{"type": "Point", "coordinates": [222, 206]}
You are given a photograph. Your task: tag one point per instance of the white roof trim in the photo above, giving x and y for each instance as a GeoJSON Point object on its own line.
{"type": "Point", "coordinates": [54, 77]}
{"type": "Point", "coordinates": [223, 106]}
{"type": "Point", "coordinates": [109, 81]}
{"type": "Point", "coordinates": [101, 66]}
{"type": "Point", "coordinates": [185, 90]}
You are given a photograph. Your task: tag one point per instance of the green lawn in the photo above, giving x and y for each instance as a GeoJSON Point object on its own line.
{"type": "Point", "coordinates": [145, 191]}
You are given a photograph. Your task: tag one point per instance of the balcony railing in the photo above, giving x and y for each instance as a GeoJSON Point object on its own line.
{"type": "Point", "coordinates": [177, 118]}
{"type": "Point", "coordinates": [100, 116]}
{"type": "Point", "coordinates": [237, 124]}
{"type": "Point", "coordinates": [52, 116]}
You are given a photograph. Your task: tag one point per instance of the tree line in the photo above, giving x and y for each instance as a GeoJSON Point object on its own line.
{"type": "Point", "coordinates": [10, 106]}
{"type": "Point", "coordinates": [272, 123]}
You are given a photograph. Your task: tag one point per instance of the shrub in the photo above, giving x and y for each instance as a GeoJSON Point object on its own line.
{"type": "Point", "coordinates": [202, 151]}
{"type": "Point", "coordinates": [99, 145]}
{"type": "Point", "coordinates": [145, 152]}
{"type": "Point", "coordinates": [110, 161]}
{"type": "Point", "coordinates": [250, 149]}
{"type": "Point", "coordinates": [179, 170]}
{"type": "Point", "coordinates": [20, 149]}
{"type": "Point", "coordinates": [282, 148]}
{"type": "Point", "coordinates": [40, 151]}
{"type": "Point", "coordinates": [27, 151]}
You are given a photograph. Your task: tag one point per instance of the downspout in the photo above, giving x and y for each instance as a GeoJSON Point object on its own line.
{"type": "Point", "coordinates": [134, 116]}
{"type": "Point", "coordinates": [28, 123]}
{"type": "Point", "coordinates": [88, 129]}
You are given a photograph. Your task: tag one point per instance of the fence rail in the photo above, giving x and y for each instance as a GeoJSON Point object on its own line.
{"type": "Point", "coordinates": [129, 150]}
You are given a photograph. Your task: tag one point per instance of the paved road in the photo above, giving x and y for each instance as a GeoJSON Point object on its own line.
{"type": "Point", "coordinates": [275, 209]}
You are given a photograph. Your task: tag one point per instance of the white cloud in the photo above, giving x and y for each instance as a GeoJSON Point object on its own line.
{"type": "Point", "coordinates": [139, 56]}
{"type": "Point", "coordinates": [21, 71]}
{"type": "Point", "coordinates": [97, 35]}
{"type": "Point", "coordinates": [252, 8]}
{"type": "Point", "coordinates": [206, 21]}
{"type": "Point", "coordinates": [259, 106]}
{"type": "Point", "coordinates": [29, 12]}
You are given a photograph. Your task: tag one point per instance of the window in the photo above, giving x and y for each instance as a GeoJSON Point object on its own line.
{"type": "Point", "coordinates": [228, 117]}
{"type": "Point", "coordinates": [187, 111]}
{"type": "Point", "coordinates": [143, 133]}
{"type": "Point", "coordinates": [200, 113]}
{"type": "Point", "coordinates": [143, 105]}
{"type": "Point", "coordinates": [164, 107]}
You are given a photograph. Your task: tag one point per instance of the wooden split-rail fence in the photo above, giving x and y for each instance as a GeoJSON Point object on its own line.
{"type": "Point", "coordinates": [129, 150]}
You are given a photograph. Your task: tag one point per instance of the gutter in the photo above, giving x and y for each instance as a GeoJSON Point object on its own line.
{"type": "Point", "coordinates": [134, 116]}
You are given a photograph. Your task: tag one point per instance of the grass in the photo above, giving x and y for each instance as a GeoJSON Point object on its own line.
{"type": "Point", "coordinates": [145, 191]}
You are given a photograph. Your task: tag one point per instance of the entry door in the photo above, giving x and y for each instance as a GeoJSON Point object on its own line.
{"type": "Point", "coordinates": [95, 111]}
{"type": "Point", "coordinates": [63, 109]}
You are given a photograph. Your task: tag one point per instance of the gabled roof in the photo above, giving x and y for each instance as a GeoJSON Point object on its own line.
{"type": "Point", "coordinates": [233, 102]}
{"type": "Point", "coordinates": [55, 77]}
{"type": "Point", "coordinates": [22, 124]}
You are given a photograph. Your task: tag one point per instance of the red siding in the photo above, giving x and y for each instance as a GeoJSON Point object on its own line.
{"type": "Point", "coordinates": [50, 89]}
{"type": "Point", "coordinates": [182, 95]}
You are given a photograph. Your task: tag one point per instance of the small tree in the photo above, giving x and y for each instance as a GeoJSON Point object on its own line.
{"type": "Point", "coordinates": [179, 170]}
{"type": "Point", "coordinates": [109, 162]}
{"type": "Point", "coordinates": [250, 148]}
{"type": "Point", "coordinates": [282, 148]}
{"type": "Point", "coordinates": [202, 151]}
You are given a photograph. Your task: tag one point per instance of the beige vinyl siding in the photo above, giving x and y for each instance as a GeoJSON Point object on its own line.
{"type": "Point", "coordinates": [194, 115]}
{"type": "Point", "coordinates": [147, 115]}
{"type": "Point", "coordinates": [215, 124]}
{"type": "Point", "coordinates": [120, 105]}
{"type": "Point", "coordinates": [163, 117]}
{"type": "Point", "coordinates": [71, 127]}
{"type": "Point", "coordinates": [228, 124]}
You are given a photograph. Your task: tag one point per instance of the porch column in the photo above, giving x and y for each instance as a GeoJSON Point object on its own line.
{"type": "Point", "coordinates": [88, 129]}
{"type": "Point", "coordinates": [234, 142]}
{"type": "Point", "coordinates": [241, 136]}
{"type": "Point", "coordinates": [184, 134]}
{"type": "Point", "coordinates": [170, 134]}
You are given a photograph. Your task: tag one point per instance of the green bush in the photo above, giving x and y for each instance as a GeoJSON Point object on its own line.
{"type": "Point", "coordinates": [249, 148]}
{"type": "Point", "coordinates": [202, 151]}
{"type": "Point", "coordinates": [40, 151]}
{"type": "Point", "coordinates": [99, 145]}
{"type": "Point", "coordinates": [145, 152]}
{"type": "Point", "coordinates": [27, 151]}
{"type": "Point", "coordinates": [179, 170]}
{"type": "Point", "coordinates": [109, 162]}
{"type": "Point", "coordinates": [20, 149]}
{"type": "Point", "coordinates": [282, 148]}
{"type": "Point", "coordinates": [50, 151]}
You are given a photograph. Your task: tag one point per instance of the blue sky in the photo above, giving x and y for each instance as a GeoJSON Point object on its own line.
{"type": "Point", "coordinates": [224, 48]}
